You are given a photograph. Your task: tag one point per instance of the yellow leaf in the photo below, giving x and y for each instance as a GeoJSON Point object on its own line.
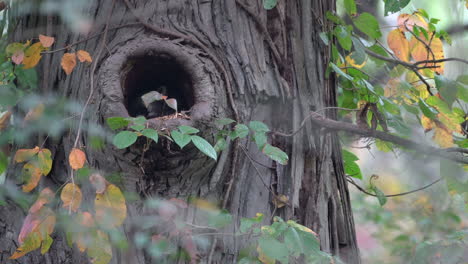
{"type": "Point", "coordinates": [443, 137]}
{"type": "Point", "coordinates": [83, 56]}
{"type": "Point", "coordinates": [46, 41]}
{"type": "Point", "coordinates": [280, 200]}
{"type": "Point", "coordinates": [408, 21]}
{"type": "Point", "coordinates": [31, 243]}
{"type": "Point", "coordinates": [23, 155]}
{"type": "Point", "coordinates": [110, 207]}
{"type": "Point", "coordinates": [399, 44]}
{"type": "Point", "coordinates": [414, 80]}
{"type": "Point", "coordinates": [427, 123]}
{"type": "Point", "coordinates": [77, 159]}
{"type": "Point", "coordinates": [32, 55]}
{"type": "Point", "coordinates": [71, 197]}
{"type": "Point", "coordinates": [32, 175]}
{"type": "Point", "coordinates": [68, 62]}
{"type": "Point", "coordinates": [204, 204]}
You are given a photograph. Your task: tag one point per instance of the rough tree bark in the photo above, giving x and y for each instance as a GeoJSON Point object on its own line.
{"type": "Point", "coordinates": [274, 63]}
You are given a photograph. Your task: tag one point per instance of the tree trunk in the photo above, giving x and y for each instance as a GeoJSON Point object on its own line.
{"type": "Point", "coordinates": [273, 64]}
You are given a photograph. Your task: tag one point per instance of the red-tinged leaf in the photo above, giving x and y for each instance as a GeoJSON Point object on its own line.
{"type": "Point", "coordinates": [110, 207]}
{"type": "Point", "coordinates": [46, 196]}
{"type": "Point", "coordinates": [86, 219]}
{"type": "Point", "coordinates": [83, 56]}
{"type": "Point", "coordinates": [172, 103]}
{"type": "Point", "coordinates": [34, 113]}
{"type": "Point", "coordinates": [32, 55]}
{"type": "Point", "coordinates": [18, 57]}
{"type": "Point", "coordinates": [71, 197]}
{"type": "Point", "coordinates": [99, 183]}
{"type": "Point", "coordinates": [44, 159]}
{"type": "Point", "coordinates": [399, 44]}
{"type": "Point", "coordinates": [77, 159]}
{"type": "Point", "coordinates": [41, 222]}
{"type": "Point", "coordinates": [408, 21]}
{"type": "Point", "coordinates": [23, 155]}
{"type": "Point", "coordinates": [68, 62]}
{"type": "Point", "coordinates": [32, 175]}
{"type": "Point", "coordinates": [46, 41]}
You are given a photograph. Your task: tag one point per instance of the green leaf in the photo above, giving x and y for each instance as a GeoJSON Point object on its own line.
{"type": "Point", "coordinates": [294, 242]}
{"type": "Point", "coordinates": [273, 248]}
{"type": "Point", "coordinates": [383, 145]}
{"type": "Point", "coordinates": [427, 110]}
{"type": "Point", "coordinates": [124, 139]}
{"type": "Point", "coordinates": [26, 78]}
{"type": "Point", "coordinates": [348, 156]}
{"type": "Point", "coordinates": [138, 127]}
{"type": "Point", "coordinates": [220, 145]}
{"type": "Point", "coordinates": [180, 139]}
{"type": "Point", "coordinates": [350, 166]}
{"type": "Point", "coordinates": [151, 133]}
{"type": "Point", "coordinates": [447, 88]}
{"type": "Point", "coordinates": [462, 87]}
{"type": "Point", "coordinates": [258, 126]}
{"type": "Point", "coordinates": [219, 219]}
{"type": "Point", "coordinates": [140, 120]}
{"type": "Point", "coordinates": [241, 130]}
{"type": "Point", "coordinates": [368, 24]}
{"type": "Point", "coordinates": [46, 243]}
{"type": "Point", "coordinates": [379, 50]}
{"type": "Point", "coordinates": [344, 37]}
{"type": "Point", "coordinates": [117, 122]}
{"type": "Point", "coordinates": [324, 37]}
{"type": "Point", "coordinates": [335, 19]}
{"type": "Point", "coordinates": [269, 4]}
{"type": "Point", "coordinates": [260, 139]}
{"type": "Point", "coordinates": [247, 223]}
{"type": "Point", "coordinates": [393, 6]}
{"type": "Point", "coordinates": [350, 7]}
{"type": "Point", "coordinates": [188, 130]}
{"type": "Point", "coordinates": [204, 146]}
{"type": "Point", "coordinates": [380, 195]}
{"type": "Point", "coordinates": [224, 121]}
{"type": "Point", "coordinates": [340, 72]}
{"type": "Point", "coordinates": [275, 154]}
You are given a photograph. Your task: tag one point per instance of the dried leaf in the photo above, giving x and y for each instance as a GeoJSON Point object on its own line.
{"type": "Point", "coordinates": [280, 200]}
{"type": "Point", "coordinates": [68, 62]}
{"type": "Point", "coordinates": [399, 44]}
{"type": "Point", "coordinates": [110, 207]}
{"type": "Point", "coordinates": [46, 41]}
{"type": "Point", "coordinates": [77, 159]}
{"type": "Point", "coordinates": [83, 56]}
{"type": "Point", "coordinates": [71, 197]}
{"type": "Point", "coordinates": [98, 182]}
{"type": "Point", "coordinates": [5, 120]}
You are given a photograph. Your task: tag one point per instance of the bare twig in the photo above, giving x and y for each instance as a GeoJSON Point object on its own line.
{"type": "Point", "coordinates": [393, 195]}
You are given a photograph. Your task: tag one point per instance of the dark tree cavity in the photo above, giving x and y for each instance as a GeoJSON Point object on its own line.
{"type": "Point", "coordinates": [272, 62]}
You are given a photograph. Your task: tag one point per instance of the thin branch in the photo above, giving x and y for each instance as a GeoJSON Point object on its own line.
{"type": "Point", "coordinates": [441, 60]}
{"type": "Point", "coordinates": [393, 195]}
{"type": "Point", "coordinates": [321, 121]}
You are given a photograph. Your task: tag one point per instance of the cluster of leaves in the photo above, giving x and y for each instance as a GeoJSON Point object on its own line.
{"type": "Point", "coordinates": [414, 86]}
{"type": "Point", "coordinates": [259, 136]}
{"type": "Point", "coordinates": [88, 230]}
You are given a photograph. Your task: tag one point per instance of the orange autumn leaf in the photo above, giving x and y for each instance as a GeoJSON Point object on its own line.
{"type": "Point", "coordinates": [399, 44]}
{"type": "Point", "coordinates": [77, 159]}
{"type": "Point", "coordinates": [419, 52]}
{"type": "Point", "coordinates": [23, 155]}
{"type": "Point", "coordinates": [46, 41]}
{"type": "Point", "coordinates": [110, 207]}
{"type": "Point", "coordinates": [68, 62]}
{"type": "Point", "coordinates": [32, 55]}
{"type": "Point", "coordinates": [71, 197]}
{"type": "Point", "coordinates": [83, 56]}
{"type": "Point", "coordinates": [427, 123]}
{"type": "Point", "coordinates": [407, 21]}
